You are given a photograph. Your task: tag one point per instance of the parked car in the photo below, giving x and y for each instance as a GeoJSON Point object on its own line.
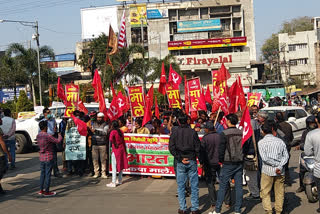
{"type": "Point", "coordinates": [27, 129]}
{"type": "Point", "coordinates": [295, 116]}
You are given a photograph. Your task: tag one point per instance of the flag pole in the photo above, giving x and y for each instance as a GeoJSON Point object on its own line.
{"type": "Point", "coordinates": [215, 121]}
{"type": "Point", "coordinates": [255, 159]}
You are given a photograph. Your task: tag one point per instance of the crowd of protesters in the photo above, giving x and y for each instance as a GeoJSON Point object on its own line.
{"type": "Point", "coordinates": [261, 162]}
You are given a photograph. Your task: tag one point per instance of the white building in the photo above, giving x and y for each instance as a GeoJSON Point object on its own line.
{"type": "Point", "coordinates": [298, 55]}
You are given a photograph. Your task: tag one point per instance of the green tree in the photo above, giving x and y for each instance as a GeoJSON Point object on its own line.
{"type": "Point", "coordinates": [270, 48]}
{"type": "Point", "coordinates": [28, 60]}
{"type": "Point", "coordinates": [24, 104]}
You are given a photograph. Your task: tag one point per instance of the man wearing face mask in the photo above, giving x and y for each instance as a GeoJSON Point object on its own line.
{"type": "Point", "coordinates": [99, 145]}
{"type": "Point", "coordinates": [52, 129]}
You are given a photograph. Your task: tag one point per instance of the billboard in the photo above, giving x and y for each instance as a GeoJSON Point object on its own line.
{"type": "Point", "coordinates": [157, 13]}
{"type": "Point", "coordinates": [207, 43]}
{"type": "Point", "coordinates": [7, 94]}
{"type": "Point", "coordinates": [138, 12]}
{"type": "Point", "coordinates": [95, 21]}
{"type": "Point", "coordinates": [200, 25]}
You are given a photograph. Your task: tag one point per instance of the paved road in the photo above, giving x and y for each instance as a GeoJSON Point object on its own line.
{"type": "Point", "coordinates": [86, 195]}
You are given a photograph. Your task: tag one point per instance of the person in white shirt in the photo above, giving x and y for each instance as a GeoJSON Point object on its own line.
{"type": "Point", "coordinates": [9, 128]}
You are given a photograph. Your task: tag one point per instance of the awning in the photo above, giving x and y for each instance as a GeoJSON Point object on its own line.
{"type": "Point", "coordinates": [312, 91]}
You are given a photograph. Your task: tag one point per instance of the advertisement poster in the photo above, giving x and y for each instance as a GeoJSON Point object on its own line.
{"type": "Point", "coordinates": [253, 99]}
{"type": "Point", "coordinates": [194, 88]}
{"type": "Point", "coordinates": [173, 95]}
{"type": "Point", "coordinates": [72, 94]}
{"type": "Point", "coordinates": [157, 13]}
{"type": "Point", "coordinates": [199, 25]}
{"type": "Point", "coordinates": [75, 145]}
{"type": "Point", "coordinates": [136, 99]}
{"type": "Point", "coordinates": [138, 12]}
{"type": "Point", "coordinates": [149, 155]}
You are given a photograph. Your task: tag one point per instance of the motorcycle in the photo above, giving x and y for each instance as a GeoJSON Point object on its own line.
{"type": "Point", "coordinates": [308, 163]}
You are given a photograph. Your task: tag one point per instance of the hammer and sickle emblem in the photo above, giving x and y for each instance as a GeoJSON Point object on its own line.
{"type": "Point", "coordinates": [245, 129]}
{"type": "Point", "coordinates": [174, 78]}
{"type": "Point", "coordinates": [113, 110]}
{"type": "Point", "coordinates": [120, 102]}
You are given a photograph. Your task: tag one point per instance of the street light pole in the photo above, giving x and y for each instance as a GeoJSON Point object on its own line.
{"type": "Point", "coordinates": [36, 37]}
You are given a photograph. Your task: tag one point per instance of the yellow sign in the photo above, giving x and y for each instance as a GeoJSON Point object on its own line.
{"type": "Point", "coordinates": [138, 13]}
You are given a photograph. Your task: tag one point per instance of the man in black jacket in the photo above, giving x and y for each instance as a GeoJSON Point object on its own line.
{"type": "Point", "coordinates": [184, 145]}
{"type": "Point", "coordinates": [231, 156]}
{"type": "Point", "coordinates": [210, 156]}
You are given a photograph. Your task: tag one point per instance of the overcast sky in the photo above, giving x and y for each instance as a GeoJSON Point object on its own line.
{"type": "Point", "coordinates": [60, 24]}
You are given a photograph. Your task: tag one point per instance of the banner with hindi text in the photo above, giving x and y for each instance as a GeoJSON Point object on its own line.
{"type": "Point", "coordinates": [72, 99]}
{"type": "Point", "coordinates": [136, 98]}
{"type": "Point", "coordinates": [253, 99]}
{"type": "Point", "coordinates": [194, 89]}
{"type": "Point", "coordinates": [75, 145]}
{"type": "Point", "coordinates": [173, 95]}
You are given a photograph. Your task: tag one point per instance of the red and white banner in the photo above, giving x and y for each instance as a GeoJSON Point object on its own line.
{"type": "Point", "coordinates": [253, 99]}
{"type": "Point", "coordinates": [72, 99]}
{"type": "Point", "coordinates": [194, 89]}
{"type": "Point", "coordinates": [136, 98]}
{"type": "Point", "coordinates": [173, 95]}
{"type": "Point", "coordinates": [246, 126]}
{"type": "Point", "coordinates": [122, 40]}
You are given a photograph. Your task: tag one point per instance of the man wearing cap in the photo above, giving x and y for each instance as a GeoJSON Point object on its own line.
{"type": "Point", "coordinates": [210, 156]}
{"type": "Point", "coordinates": [99, 145]}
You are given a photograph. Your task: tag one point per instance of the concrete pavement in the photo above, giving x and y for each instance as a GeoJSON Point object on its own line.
{"type": "Point", "coordinates": [86, 195]}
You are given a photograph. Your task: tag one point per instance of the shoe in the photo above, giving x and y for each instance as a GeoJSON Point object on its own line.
{"type": "Point", "coordinates": [104, 176]}
{"type": "Point", "coordinates": [41, 192]}
{"type": "Point", "coordinates": [195, 212]}
{"type": "Point", "coordinates": [252, 198]}
{"type": "Point", "coordinates": [318, 210]}
{"type": "Point", "coordinates": [181, 211]}
{"type": "Point", "coordinates": [300, 189]}
{"type": "Point", "coordinates": [118, 182]}
{"type": "Point", "coordinates": [49, 194]}
{"type": "Point", "coordinates": [214, 212]}
{"type": "Point", "coordinates": [3, 192]}
{"type": "Point", "coordinates": [112, 185]}
{"type": "Point", "coordinates": [287, 184]}
{"type": "Point", "coordinates": [95, 176]}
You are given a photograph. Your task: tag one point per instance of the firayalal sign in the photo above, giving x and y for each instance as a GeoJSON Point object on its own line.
{"type": "Point", "coordinates": [207, 43]}
{"type": "Point", "coordinates": [149, 155]}
{"type": "Point", "coordinates": [204, 61]}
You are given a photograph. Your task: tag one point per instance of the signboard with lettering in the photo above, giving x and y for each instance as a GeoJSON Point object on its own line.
{"type": "Point", "coordinates": [7, 94]}
{"type": "Point", "coordinates": [194, 88]}
{"type": "Point", "coordinates": [207, 43]}
{"type": "Point", "coordinates": [72, 94]}
{"type": "Point", "coordinates": [173, 95]}
{"type": "Point", "coordinates": [157, 13]}
{"type": "Point", "coordinates": [149, 155]}
{"type": "Point", "coordinates": [138, 14]}
{"type": "Point", "coordinates": [199, 25]}
{"type": "Point", "coordinates": [75, 145]}
{"type": "Point", "coordinates": [253, 99]}
{"type": "Point", "coordinates": [136, 99]}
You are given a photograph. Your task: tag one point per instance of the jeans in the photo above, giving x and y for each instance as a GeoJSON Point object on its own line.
{"type": "Point", "coordinates": [175, 161]}
{"type": "Point", "coordinates": [211, 177]}
{"type": "Point", "coordinates": [114, 170]}
{"type": "Point", "coordinates": [267, 182]}
{"type": "Point", "coordinates": [185, 171]}
{"type": "Point", "coordinates": [227, 172]}
{"type": "Point", "coordinates": [45, 177]}
{"type": "Point", "coordinates": [11, 146]}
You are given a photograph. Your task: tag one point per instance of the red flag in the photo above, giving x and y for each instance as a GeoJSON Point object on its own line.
{"type": "Point", "coordinates": [60, 91]}
{"type": "Point", "coordinates": [194, 116]}
{"type": "Point", "coordinates": [148, 114]}
{"type": "Point", "coordinates": [81, 107]}
{"type": "Point", "coordinates": [246, 125]}
{"type": "Point", "coordinates": [122, 102]}
{"type": "Point", "coordinates": [202, 103]}
{"type": "Point", "coordinates": [112, 89]}
{"type": "Point", "coordinates": [216, 103]}
{"type": "Point", "coordinates": [174, 77]}
{"type": "Point", "coordinates": [114, 112]}
{"type": "Point", "coordinates": [242, 98]}
{"type": "Point", "coordinates": [156, 108]}
{"type": "Point", "coordinates": [223, 74]}
{"type": "Point", "coordinates": [81, 125]}
{"type": "Point", "coordinates": [186, 97]}
{"type": "Point", "coordinates": [233, 97]}
{"type": "Point", "coordinates": [98, 93]}
{"type": "Point", "coordinates": [122, 39]}
{"type": "Point", "coordinates": [163, 81]}
{"type": "Point", "coordinates": [208, 95]}
{"type": "Point", "coordinates": [224, 122]}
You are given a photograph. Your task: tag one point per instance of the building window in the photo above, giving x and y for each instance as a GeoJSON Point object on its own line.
{"type": "Point", "coordinates": [295, 62]}
{"type": "Point", "coordinates": [225, 24]}
{"type": "Point", "coordinates": [292, 48]}
{"type": "Point", "coordinates": [136, 35]}
{"type": "Point", "coordinates": [236, 9]}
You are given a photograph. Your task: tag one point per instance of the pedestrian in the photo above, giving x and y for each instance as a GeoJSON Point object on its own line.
{"type": "Point", "coordinates": [100, 145]}
{"type": "Point", "coordinates": [184, 145]}
{"type": "Point", "coordinates": [231, 157]}
{"type": "Point", "coordinates": [274, 155]}
{"type": "Point", "coordinates": [210, 156]}
{"type": "Point", "coordinates": [311, 124]}
{"type": "Point", "coordinates": [286, 128]}
{"type": "Point", "coordinates": [122, 124]}
{"type": "Point", "coordinates": [139, 129]}
{"type": "Point", "coordinates": [46, 144]}
{"type": "Point", "coordinates": [119, 154]}
{"type": "Point", "coordinates": [3, 162]}
{"type": "Point", "coordinates": [9, 128]}
{"type": "Point", "coordinates": [62, 131]}
{"type": "Point", "coordinates": [312, 148]}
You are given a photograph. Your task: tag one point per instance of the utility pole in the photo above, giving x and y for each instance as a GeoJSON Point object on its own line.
{"type": "Point", "coordinates": [38, 53]}
{"type": "Point", "coordinates": [143, 68]}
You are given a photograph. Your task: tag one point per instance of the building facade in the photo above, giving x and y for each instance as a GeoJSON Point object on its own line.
{"type": "Point", "coordinates": [299, 56]}
{"type": "Point", "coordinates": [200, 34]}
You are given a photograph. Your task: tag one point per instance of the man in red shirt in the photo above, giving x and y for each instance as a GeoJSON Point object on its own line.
{"type": "Point", "coordinates": [46, 145]}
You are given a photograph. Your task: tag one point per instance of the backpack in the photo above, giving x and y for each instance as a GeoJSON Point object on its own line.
{"type": "Point", "coordinates": [234, 148]}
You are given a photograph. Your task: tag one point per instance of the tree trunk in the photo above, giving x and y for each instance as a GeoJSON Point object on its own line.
{"type": "Point", "coordinates": [33, 93]}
